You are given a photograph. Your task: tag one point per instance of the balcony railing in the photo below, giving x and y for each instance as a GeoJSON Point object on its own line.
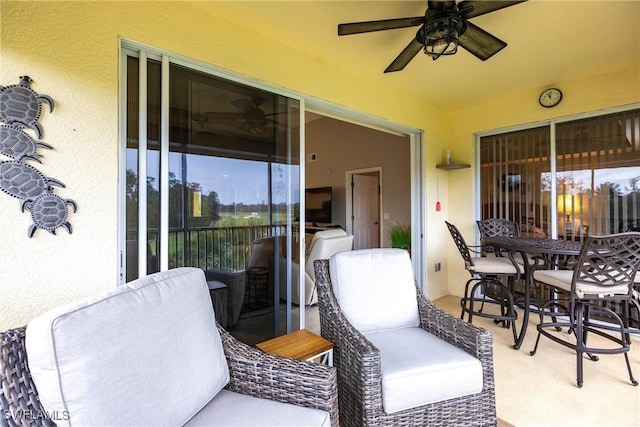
{"type": "Point", "coordinates": [221, 248]}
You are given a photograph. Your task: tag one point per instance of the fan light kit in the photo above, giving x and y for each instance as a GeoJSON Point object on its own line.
{"type": "Point", "coordinates": [441, 36]}
{"type": "Point", "coordinates": [253, 119]}
{"type": "Point", "coordinates": [444, 27]}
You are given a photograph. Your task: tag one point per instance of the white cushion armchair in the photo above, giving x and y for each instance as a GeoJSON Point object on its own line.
{"type": "Point", "coordinates": [400, 359]}
{"type": "Point", "coordinates": [149, 353]}
{"type": "Point", "coordinates": [324, 244]}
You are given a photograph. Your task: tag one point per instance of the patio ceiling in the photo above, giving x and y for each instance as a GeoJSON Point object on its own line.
{"type": "Point", "coordinates": [548, 42]}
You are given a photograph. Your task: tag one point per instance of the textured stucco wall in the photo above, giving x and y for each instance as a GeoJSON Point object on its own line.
{"type": "Point", "coordinates": [75, 61]}
{"type": "Point", "coordinates": [71, 50]}
{"type": "Point", "coordinates": [342, 147]}
{"type": "Point", "coordinates": [616, 88]}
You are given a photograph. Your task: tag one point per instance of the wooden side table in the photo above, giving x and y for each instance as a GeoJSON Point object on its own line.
{"type": "Point", "coordinates": [300, 345]}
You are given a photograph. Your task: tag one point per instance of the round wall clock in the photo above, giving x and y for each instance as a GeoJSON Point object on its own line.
{"type": "Point", "coordinates": [550, 97]}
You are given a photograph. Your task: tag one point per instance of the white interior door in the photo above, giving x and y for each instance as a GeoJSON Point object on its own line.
{"type": "Point", "coordinates": [366, 211]}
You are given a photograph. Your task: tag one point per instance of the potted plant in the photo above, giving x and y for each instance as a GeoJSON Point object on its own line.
{"type": "Point", "coordinates": [400, 235]}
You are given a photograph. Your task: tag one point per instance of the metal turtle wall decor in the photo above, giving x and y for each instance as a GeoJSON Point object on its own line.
{"type": "Point", "coordinates": [20, 109]}
{"type": "Point", "coordinates": [22, 106]}
{"type": "Point", "coordinates": [23, 181]}
{"type": "Point", "coordinates": [18, 145]}
{"type": "Point", "coordinates": [49, 212]}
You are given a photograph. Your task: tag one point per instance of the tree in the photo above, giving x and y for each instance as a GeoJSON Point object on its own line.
{"type": "Point", "coordinates": [608, 189]}
{"type": "Point", "coordinates": [213, 201]}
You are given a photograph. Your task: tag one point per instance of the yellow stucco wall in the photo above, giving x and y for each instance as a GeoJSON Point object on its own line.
{"type": "Point", "coordinates": [71, 50]}
{"type": "Point", "coordinates": [582, 95]}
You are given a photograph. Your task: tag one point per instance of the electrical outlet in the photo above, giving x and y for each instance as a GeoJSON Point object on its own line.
{"type": "Point", "coordinates": [438, 266]}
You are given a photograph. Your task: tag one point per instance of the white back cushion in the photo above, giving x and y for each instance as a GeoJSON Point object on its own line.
{"type": "Point", "coordinates": [324, 248]}
{"type": "Point", "coordinates": [375, 288]}
{"type": "Point", "coordinates": [147, 353]}
{"type": "Point", "coordinates": [327, 234]}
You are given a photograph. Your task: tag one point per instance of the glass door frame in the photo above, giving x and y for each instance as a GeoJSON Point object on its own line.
{"type": "Point", "coordinates": [418, 178]}
{"type": "Point", "coordinates": [551, 123]}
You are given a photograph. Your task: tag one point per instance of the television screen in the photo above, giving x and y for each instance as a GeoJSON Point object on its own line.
{"type": "Point", "coordinates": [318, 205]}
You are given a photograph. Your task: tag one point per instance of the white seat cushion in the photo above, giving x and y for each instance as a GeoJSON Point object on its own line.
{"type": "Point", "coordinates": [375, 288]}
{"type": "Point", "coordinates": [419, 368]}
{"type": "Point", "coordinates": [517, 257]}
{"type": "Point", "coordinates": [561, 279]}
{"type": "Point", "coordinates": [493, 265]}
{"type": "Point", "coordinates": [148, 353]}
{"type": "Point", "coordinates": [223, 411]}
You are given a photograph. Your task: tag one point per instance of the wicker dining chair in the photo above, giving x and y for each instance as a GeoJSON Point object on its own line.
{"type": "Point", "coordinates": [605, 270]}
{"type": "Point", "coordinates": [362, 389]}
{"type": "Point", "coordinates": [485, 286]}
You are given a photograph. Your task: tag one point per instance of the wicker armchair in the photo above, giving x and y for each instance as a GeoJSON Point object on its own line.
{"type": "Point", "coordinates": [251, 372]}
{"type": "Point", "coordinates": [358, 363]}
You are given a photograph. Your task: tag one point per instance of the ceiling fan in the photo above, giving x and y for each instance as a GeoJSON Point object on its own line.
{"type": "Point", "coordinates": [254, 119]}
{"type": "Point", "coordinates": [444, 26]}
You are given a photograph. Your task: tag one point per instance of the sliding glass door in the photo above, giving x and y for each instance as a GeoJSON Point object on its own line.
{"type": "Point", "coordinates": [566, 179]}
{"type": "Point", "coordinates": [213, 181]}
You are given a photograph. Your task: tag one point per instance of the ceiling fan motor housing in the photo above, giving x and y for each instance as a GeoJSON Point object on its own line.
{"type": "Point", "coordinates": [443, 28]}
{"type": "Point", "coordinates": [439, 35]}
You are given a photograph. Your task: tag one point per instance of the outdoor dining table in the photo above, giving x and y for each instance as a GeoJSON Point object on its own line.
{"type": "Point", "coordinates": [527, 247]}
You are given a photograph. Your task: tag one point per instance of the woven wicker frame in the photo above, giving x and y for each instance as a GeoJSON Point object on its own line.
{"type": "Point", "coordinates": [235, 281]}
{"type": "Point", "coordinates": [359, 370]}
{"type": "Point", "coordinates": [251, 371]}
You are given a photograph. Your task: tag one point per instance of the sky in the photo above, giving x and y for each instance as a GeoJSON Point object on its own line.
{"type": "Point", "coordinates": [620, 176]}
{"type": "Point", "coordinates": [246, 181]}
{"type": "Point", "coordinates": [235, 181]}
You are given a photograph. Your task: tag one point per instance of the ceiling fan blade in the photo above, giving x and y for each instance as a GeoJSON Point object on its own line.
{"type": "Point", "coordinates": [385, 24]}
{"type": "Point", "coordinates": [243, 104]}
{"type": "Point", "coordinates": [214, 115]}
{"type": "Point", "coordinates": [247, 127]}
{"type": "Point", "coordinates": [472, 8]}
{"type": "Point", "coordinates": [480, 43]}
{"type": "Point", "coordinates": [405, 56]}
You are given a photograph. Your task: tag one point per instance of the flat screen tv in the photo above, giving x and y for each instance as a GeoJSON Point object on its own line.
{"type": "Point", "coordinates": [318, 205]}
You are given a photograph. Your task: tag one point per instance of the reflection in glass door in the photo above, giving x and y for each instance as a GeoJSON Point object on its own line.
{"type": "Point", "coordinates": [232, 191]}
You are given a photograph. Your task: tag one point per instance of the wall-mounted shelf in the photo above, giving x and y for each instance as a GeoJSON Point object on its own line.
{"type": "Point", "coordinates": [453, 166]}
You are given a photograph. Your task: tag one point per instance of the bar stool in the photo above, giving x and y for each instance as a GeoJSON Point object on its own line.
{"type": "Point", "coordinates": [485, 273]}
{"type": "Point", "coordinates": [605, 271]}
